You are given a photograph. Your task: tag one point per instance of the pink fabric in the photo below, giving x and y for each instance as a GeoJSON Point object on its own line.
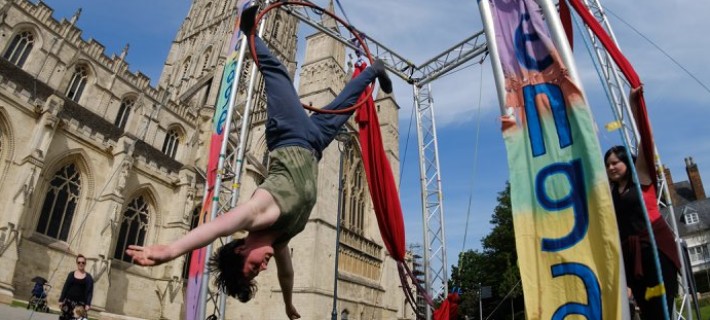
{"type": "Point", "coordinates": [383, 189]}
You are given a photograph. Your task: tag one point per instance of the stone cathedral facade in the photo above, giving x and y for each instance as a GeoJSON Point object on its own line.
{"type": "Point", "coordinates": [94, 158]}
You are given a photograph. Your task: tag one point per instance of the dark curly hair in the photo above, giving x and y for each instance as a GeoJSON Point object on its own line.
{"type": "Point", "coordinates": [227, 267]}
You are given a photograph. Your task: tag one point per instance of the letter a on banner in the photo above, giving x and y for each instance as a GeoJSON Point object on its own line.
{"type": "Point", "coordinates": [565, 227]}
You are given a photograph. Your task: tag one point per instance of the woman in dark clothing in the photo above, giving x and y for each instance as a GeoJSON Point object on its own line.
{"type": "Point", "coordinates": [641, 275]}
{"type": "Point", "coordinates": [78, 288]}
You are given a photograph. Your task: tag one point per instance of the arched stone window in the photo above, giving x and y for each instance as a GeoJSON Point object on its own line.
{"type": "Point", "coordinates": [124, 112]}
{"type": "Point", "coordinates": [206, 60]}
{"type": "Point", "coordinates": [354, 192]}
{"type": "Point", "coordinates": [20, 47]}
{"type": "Point", "coordinates": [194, 221]}
{"type": "Point", "coordinates": [78, 82]}
{"type": "Point", "coordinates": [60, 203]}
{"type": "Point", "coordinates": [170, 145]}
{"type": "Point", "coordinates": [186, 68]}
{"type": "Point", "coordinates": [276, 26]}
{"type": "Point", "coordinates": [134, 226]}
{"type": "Point", "coordinates": [206, 13]}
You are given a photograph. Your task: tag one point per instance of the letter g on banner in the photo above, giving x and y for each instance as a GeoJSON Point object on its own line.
{"type": "Point", "coordinates": [577, 199]}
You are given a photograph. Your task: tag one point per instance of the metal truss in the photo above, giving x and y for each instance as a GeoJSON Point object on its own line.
{"type": "Point", "coordinates": [403, 68]}
{"type": "Point", "coordinates": [420, 76]}
{"type": "Point", "coordinates": [451, 58]}
{"type": "Point", "coordinates": [436, 276]}
{"type": "Point", "coordinates": [230, 168]}
{"type": "Point", "coordinates": [616, 87]}
{"type": "Point", "coordinates": [432, 205]}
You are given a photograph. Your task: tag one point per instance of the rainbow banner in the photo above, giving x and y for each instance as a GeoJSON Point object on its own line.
{"type": "Point", "coordinates": [565, 227]}
{"type": "Point", "coordinates": [224, 102]}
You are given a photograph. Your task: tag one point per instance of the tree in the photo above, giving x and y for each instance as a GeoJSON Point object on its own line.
{"type": "Point", "coordinates": [495, 266]}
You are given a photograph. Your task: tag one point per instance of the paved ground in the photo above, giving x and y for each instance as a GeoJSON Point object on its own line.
{"type": "Point", "coordinates": [18, 313]}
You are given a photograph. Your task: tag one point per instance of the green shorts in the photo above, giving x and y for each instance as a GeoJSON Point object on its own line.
{"type": "Point", "coordinates": [292, 180]}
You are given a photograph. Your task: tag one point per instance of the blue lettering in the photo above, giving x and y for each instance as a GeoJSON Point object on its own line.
{"type": "Point", "coordinates": [559, 114]}
{"type": "Point", "coordinates": [593, 309]}
{"type": "Point", "coordinates": [222, 119]}
{"type": "Point", "coordinates": [577, 199]}
{"type": "Point", "coordinates": [521, 38]}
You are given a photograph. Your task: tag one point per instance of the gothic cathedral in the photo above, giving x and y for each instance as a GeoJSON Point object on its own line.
{"type": "Point", "coordinates": [94, 158]}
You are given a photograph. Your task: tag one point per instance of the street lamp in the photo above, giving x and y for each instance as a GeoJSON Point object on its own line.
{"type": "Point", "coordinates": [344, 140]}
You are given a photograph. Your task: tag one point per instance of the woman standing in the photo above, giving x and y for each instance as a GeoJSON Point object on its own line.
{"type": "Point", "coordinates": [78, 289]}
{"type": "Point", "coordinates": [639, 262]}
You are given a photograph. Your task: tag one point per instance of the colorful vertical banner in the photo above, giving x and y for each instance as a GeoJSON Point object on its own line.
{"type": "Point", "coordinates": [565, 227]}
{"type": "Point", "coordinates": [229, 76]}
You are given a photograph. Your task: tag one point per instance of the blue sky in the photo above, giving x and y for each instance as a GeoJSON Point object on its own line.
{"type": "Point", "coordinates": [679, 107]}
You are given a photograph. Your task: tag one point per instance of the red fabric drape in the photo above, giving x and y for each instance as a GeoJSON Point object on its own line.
{"type": "Point", "coordinates": [566, 19]}
{"type": "Point", "coordinates": [644, 126]}
{"type": "Point", "coordinates": [448, 309]}
{"type": "Point", "coordinates": [385, 197]}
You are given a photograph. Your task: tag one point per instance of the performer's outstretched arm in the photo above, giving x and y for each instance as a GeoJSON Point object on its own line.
{"type": "Point", "coordinates": [259, 212]}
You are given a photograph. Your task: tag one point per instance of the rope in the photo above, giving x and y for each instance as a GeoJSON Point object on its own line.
{"type": "Point", "coordinates": [473, 175]}
{"type": "Point", "coordinates": [661, 50]}
{"type": "Point", "coordinates": [356, 35]}
{"type": "Point", "coordinates": [475, 164]}
{"type": "Point", "coordinates": [501, 301]}
{"type": "Point", "coordinates": [406, 146]}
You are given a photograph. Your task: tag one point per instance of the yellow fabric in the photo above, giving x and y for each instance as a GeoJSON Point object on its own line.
{"type": "Point", "coordinates": [655, 292]}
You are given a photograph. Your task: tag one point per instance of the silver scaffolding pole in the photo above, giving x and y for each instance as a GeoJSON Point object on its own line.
{"type": "Point", "coordinates": [435, 274]}
{"type": "Point", "coordinates": [616, 86]}
{"type": "Point", "coordinates": [238, 163]}
{"type": "Point", "coordinates": [202, 298]}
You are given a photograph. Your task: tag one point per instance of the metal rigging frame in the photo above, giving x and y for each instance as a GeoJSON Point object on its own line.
{"type": "Point", "coordinates": [420, 77]}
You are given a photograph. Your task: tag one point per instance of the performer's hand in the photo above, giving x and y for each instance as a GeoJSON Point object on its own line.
{"type": "Point", "coordinates": [149, 256]}
{"type": "Point", "coordinates": [292, 313]}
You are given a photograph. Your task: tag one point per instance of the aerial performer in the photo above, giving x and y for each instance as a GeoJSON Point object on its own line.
{"type": "Point", "coordinates": [641, 274]}
{"type": "Point", "coordinates": [279, 208]}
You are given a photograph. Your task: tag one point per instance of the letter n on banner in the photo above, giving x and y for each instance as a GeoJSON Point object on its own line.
{"type": "Point", "coordinates": [565, 227]}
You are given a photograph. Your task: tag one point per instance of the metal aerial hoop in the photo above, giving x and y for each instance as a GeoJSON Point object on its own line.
{"type": "Point", "coordinates": [231, 161]}
{"type": "Point", "coordinates": [419, 76]}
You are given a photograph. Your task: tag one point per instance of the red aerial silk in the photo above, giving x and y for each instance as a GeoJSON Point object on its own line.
{"type": "Point", "coordinates": [644, 126]}
{"type": "Point", "coordinates": [383, 190]}
{"type": "Point", "coordinates": [566, 19]}
{"type": "Point", "coordinates": [449, 308]}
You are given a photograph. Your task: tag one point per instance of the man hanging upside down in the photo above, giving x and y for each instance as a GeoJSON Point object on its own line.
{"type": "Point", "coordinates": [279, 208]}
